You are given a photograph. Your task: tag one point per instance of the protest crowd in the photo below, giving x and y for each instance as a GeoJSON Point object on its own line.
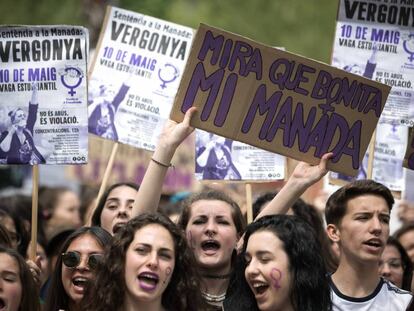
{"type": "Point", "coordinates": [130, 246]}
{"type": "Point", "coordinates": [133, 257]}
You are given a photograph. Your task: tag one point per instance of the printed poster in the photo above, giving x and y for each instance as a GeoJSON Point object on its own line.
{"type": "Point", "coordinates": [375, 39]}
{"type": "Point", "coordinates": [43, 97]}
{"type": "Point", "coordinates": [135, 75]}
{"type": "Point", "coordinates": [220, 158]}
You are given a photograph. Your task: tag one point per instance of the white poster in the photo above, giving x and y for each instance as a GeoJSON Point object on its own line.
{"type": "Point", "coordinates": [135, 76]}
{"type": "Point", "coordinates": [375, 38]}
{"type": "Point", "coordinates": [220, 158]}
{"type": "Point", "coordinates": [43, 98]}
{"type": "Point", "coordinates": [390, 144]}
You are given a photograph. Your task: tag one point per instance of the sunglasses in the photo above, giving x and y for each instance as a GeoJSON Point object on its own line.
{"type": "Point", "coordinates": [73, 259]}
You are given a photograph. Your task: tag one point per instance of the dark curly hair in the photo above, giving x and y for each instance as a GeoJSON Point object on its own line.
{"type": "Point", "coordinates": [181, 294]}
{"type": "Point", "coordinates": [310, 289]}
{"type": "Point", "coordinates": [30, 292]}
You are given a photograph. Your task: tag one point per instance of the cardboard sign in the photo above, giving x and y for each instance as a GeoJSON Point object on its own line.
{"type": "Point", "coordinates": [409, 154]}
{"type": "Point", "coordinates": [278, 101]}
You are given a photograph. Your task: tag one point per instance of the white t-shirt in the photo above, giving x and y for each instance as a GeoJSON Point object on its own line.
{"type": "Point", "coordinates": [386, 296]}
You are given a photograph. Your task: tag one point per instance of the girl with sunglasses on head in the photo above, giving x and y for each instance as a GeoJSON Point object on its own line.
{"type": "Point", "coordinates": [149, 266]}
{"type": "Point", "coordinates": [75, 268]}
{"type": "Point", "coordinates": [213, 223]}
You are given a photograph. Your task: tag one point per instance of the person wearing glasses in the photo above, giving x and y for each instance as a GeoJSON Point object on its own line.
{"type": "Point", "coordinates": [395, 265]}
{"type": "Point", "coordinates": [75, 268]}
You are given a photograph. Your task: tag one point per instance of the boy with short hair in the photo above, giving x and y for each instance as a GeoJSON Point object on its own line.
{"type": "Point", "coordinates": [357, 217]}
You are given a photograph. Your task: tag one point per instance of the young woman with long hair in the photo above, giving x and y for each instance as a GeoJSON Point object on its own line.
{"type": "Point", "coordinates": [149, 266]}
{"type": "Point", "coordinates": [212, 222]}
{"type": "Point", "coordinates": [81, 254]}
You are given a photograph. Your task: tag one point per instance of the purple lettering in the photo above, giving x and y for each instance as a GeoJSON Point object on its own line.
{"type": "Point", "coordinates": [281, 74]}
{"type": "Point", "coordinates": [200, 81]}
{"type": "Point", "coordinates": [255, 64]}
{"type": "Point", "coordinates": [315, 138]}
{"type": "Point", "coordinates": [300, 129]}
{"type": "Point", "coordinates": [375, 102]}
{"type": "Point", "coordinates": [241, 52]}
{"type": "Point", "coordinates": [279, 78]}
{"type": "Point", "coordinates": [226, 100]}
{"type": "Point", "coordinates": [357, 97]}
{"type": "Point", "coordinates": [346, 136]}
{"type": "Point", "coordinates": [354, 138]}
{"type": "Point", "coordinates": [348, 91]}
{"type": "Point", "coordinates": [211, 43]}
{"type": "Point", "coordinates": [299, 78]}
{"type": "Point", "coordinates": [320, 89]}
{"type": "Point", "coordinates": [264, 106]}
{"type": "Point", "coordinates": [225, 56]}
{"type": "Point", "coordinates": [283, 120]}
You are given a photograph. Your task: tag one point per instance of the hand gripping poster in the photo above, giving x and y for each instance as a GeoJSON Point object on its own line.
{"type": "Point", "coordinates": [43, 112]}
{"type": "Point", "coordinates": [135, 76]}
{"type": "Point", "coordinates": [220, 158]}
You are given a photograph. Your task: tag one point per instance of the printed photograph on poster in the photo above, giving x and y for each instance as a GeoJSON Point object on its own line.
{"type": "Point", "coordinates": [135, 75]}
{"type": "Point", "coordinates": [220, 158]}
{"type": "Point", "coordinates": [43, 98]}
{"type": "Point", "coordinates": [17, 144]}
{"type": "Point", "coordinates": [380, 47]}
{"type": "Point", "coordinates": [103, 105]}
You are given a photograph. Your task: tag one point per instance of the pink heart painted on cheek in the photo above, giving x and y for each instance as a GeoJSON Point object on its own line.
{"type": "Point", "coordinates": [168, 271]}
{"type": "Point", "coordinates": [276, 276]}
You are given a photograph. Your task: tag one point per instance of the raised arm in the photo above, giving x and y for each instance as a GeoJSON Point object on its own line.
{"type": "Point", "coordinates": [304, 176]}
{"type": "Point", "coordinates": [6, 138]}
{"type": "Point", "coordinates": [149, 193]}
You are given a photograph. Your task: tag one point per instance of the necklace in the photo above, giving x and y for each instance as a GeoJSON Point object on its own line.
{"type": "Point", "coordinates": [210, 298]}
{"type": "Point", "coordinates": [217, 276]}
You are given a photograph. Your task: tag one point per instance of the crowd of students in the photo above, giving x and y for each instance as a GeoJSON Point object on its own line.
{"type": "Point", "coordinates": [129, 256]}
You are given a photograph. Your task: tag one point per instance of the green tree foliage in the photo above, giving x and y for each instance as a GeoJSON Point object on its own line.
{"type": "Point", "coordinates": [302, 27]}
